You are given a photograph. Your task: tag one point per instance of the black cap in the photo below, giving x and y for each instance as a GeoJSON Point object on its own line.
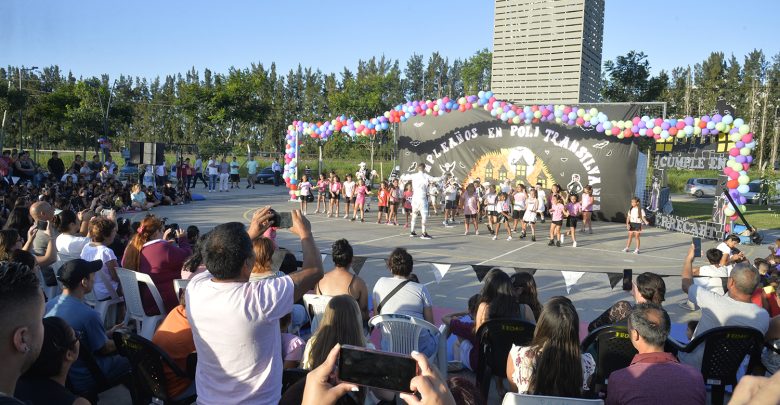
{"type": "Point", "coordinates": [73, 271]}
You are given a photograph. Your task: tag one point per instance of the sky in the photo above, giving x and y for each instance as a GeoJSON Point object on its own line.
{"type": "Point", "coordinates": [151, 37]}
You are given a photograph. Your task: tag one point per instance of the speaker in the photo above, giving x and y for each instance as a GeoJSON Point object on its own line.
{"type": "Point", "coordinates": [147, 153]}
{"type": "Point", "coordinates": [136, 152]}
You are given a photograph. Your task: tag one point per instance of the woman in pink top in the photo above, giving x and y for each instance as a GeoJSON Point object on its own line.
{"type": "Point", "coordinates": [470, 205]}
{"type": "Point", "coordinates": [335, 196]}
{"type": "Point", "coordinates": [587, 207]}
{"type": "Point", "coordinates": [556, 212]}
{"type": "Point", "coordinates": [360, 199]}
{"type": "Point", "coordinates": [151, 252]}
{"type": "Point", "coordinates": [322, 187]}
{"type": "Point", "coordinates": [573, 210]}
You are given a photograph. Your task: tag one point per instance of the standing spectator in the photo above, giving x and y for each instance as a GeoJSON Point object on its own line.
{"type": "Point", "coordinates": [732, 309]}
{"type": "Point", "coordinates": [21, 329]}
{"type": "Point", "coordinates": [44, 382]}
{"type": "Point", "coordinates": [150, 252]}
{"type": "Point", "coordinates": [199, 172]}
{"type": "Point", "coordinates": [184, 173]}
{"type": "Point", "coordinates": [244, 365]}
{"type": "Point", "coordinates": [235, 177]}
{"type": "Point", "coordinates": [277, 169]}
{"type": "Point", "coordinates": [160, 174]}
{"type": "Point", "coordinates": [251, 170]}
{"type": "Point", "coordinates": [654, 376]}
{"type": "Point", "coordinates": [553, 364]}
{"type": "Point", "coordinates": [56, 166]}
{"type": "Point", "coordinates": [224, 175]}
{"type": "Point", "coordinates": [102, 231]}
{"type": "Point", "coordinates": [78, 278]}
{"type": "Point", "coordinates": [213, 169]}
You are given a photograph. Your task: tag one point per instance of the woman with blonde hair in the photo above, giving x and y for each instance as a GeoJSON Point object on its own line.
{"type": "Point", "coordinates": [138, 199]}
{"type": "Point", "coordinates": [154, 252]}
{"type": "Point", "coordinates": [341, 324]}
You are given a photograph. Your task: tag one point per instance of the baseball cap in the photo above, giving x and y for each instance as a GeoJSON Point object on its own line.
{"type": "Point", "coordinates": [73, 271]}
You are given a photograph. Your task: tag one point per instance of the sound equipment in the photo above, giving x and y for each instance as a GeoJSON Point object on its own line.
{"type": "Point", "coordinates": [147, 153]}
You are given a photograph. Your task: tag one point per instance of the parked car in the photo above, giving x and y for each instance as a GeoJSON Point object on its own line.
{"type": "Point", "coordinates": [265, 175]}
{"type": "Point", "coordinates": [701, 187]}
{"type": "Point", "coordinates": [758, 193]}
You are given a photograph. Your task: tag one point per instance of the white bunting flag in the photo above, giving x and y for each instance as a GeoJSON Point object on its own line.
{"type": "Point", "coordinates": [570, 278]}
{"type": "Point", "coordinates": [323, 257]}
{"type": "Point", "coordinates": [439, 270]}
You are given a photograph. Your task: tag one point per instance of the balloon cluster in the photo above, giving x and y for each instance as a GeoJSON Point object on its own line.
{"type": "Point", "coordinates": [740, 150]}
{"type": "Point", "coordinates": [290, 163]}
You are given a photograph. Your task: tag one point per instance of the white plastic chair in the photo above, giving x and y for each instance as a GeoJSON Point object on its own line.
{"type": "Point", "coordinates": [401, 334]}
{"type": "Point", "coordinates": [107, 307]}
{"type": "Point", "coordinates": [315, 306]}
{"type": "Point", "coordinates": [512, 398]}
{"type": "Point", "coordinates": [146, 324]}
{"type": "Point", "coordinates": [180, 284]}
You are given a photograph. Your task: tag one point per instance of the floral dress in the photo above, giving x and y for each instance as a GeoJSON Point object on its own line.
{"type": "Point", "coordinates": [525, 360]}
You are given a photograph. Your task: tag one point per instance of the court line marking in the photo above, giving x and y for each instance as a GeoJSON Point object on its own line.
{"type": "Point", "coordinates": [502, 255]}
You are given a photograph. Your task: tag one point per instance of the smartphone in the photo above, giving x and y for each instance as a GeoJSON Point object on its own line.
{"type": "Point", "coordinates": [42, 225]}
{"type": "Point", "coordinates": [696, 247]}
{"type": "Point", "coordinates": [627, 283]}
{"type": "Point", "coordinates": [281, 219]}
{"type": "Point", "coordinates": [371, 368]}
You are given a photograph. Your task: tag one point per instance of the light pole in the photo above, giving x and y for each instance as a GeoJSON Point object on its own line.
{"type": "Point", "coordinates": [21, 109]}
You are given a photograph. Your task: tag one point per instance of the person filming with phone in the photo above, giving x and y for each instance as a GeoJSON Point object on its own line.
{"type": "Point", "coordinates": [235, 324]}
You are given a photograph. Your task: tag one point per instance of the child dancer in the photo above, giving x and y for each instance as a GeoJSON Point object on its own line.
{"type": "Point", "coordinates": [490, 206]}
{"type": "Point", "coordinates": [433, 196]}
{"type": "Point", "coordinates": [634, 221]}
{"type": "Point", "coordinates": [360, 199]}
{"type": "Point", "coordinates": [349, 194]}
{"type": "Point", "coordinates": [556, 212]}
{"type": "Point", "coordinates": [450, 195]}
{"type": "Point", "coordinates": [573, 210]}
{"type": "Point", "coordinates": [470, 203]}
{"type": "Point", "coordinates": [502, 210]}
{"type": "Point", "coordinates": [518, 205]}
{"type": "Point", "coordinates": [335, 196]}
{"type": "Point", "coordinates": [587, 208]}
{"type": "Point", "coordinates": [322, 187]}
{"type": "Point", "coordinates": [393, 203]}
{"type": "Point", "coordinates": [407, 197]}
{"type": "Point", "coordinates": [529, 218]}
{"type": "Point", "coordinates": [305, 187]}
{"type": "Point", "coordinates": [383, 197]}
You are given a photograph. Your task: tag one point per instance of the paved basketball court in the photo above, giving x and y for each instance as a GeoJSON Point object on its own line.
{"type": "Point", "coordinates": [662, 251]}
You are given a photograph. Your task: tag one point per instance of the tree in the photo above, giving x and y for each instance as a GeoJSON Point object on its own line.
{"type": "Point", "coordinates": [628, 79]}
{"type": "Point", "coordinates": [476, 72]}
{"type": "Point", "coordinates": [414, 78]}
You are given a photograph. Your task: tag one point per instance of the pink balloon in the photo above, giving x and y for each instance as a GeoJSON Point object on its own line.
{"type": "Point", "coordinates": [734, 152]}
{"type": "Point", "coordinates": [636, 120]}
{"type": "Point", "coordinates": [615, 130]}
{"type": "Point", "coordinates": [746, 166]}
{"type": "Point", "coordinates": [680, 124]}
{"type": "Point", "coordinates": [747, 138]}
{"type": "Point", "coordinates": [733, 175]}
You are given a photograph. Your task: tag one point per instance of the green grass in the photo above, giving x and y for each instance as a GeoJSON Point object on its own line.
{"type": "Point", "coordinates": [759, 216]}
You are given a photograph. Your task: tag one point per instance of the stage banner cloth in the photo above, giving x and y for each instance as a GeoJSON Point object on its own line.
{"type": "Point", "coordinates": [473, 144]}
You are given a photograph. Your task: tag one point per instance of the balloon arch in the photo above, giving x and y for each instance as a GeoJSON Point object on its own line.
{"type": "Point", "coordinates": [740, 147]}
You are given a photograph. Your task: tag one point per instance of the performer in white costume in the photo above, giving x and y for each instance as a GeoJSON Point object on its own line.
{"type": "Point", "coordinates": [420, 181]}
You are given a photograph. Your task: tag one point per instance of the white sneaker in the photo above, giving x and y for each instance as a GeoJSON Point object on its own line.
{"type": "Point", "coordinates": [476, 232]}
{"type": "Point", "coordinates": [561, 238]}
{"type": "Point", "coordinates": [494, 237]}
{"type": "Point", "coordinates": [508, 238]}
{"type": "Point", "coordinates": [625, 249]}
{"type": "Point", "coordinates": [465, 233]}
{"type": "Point", "coordinates": [346, 216]}
{"type": "Point", "coordinates": [636, 251]}
{"type": "Point", "coordinates": [574, 244]}
{"type": "Point", "coordinates": [444, 223]}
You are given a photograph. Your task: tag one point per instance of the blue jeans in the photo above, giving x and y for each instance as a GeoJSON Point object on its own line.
{"type": "Point", "coordinates": [213, 181]}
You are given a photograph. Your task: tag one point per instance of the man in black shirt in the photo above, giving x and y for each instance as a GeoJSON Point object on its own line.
{"type": "Point", "coordinates": [56, 167]}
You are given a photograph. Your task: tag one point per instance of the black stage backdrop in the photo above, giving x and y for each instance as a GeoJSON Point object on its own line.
{"type": "Point", "coordinates": [473, 144]}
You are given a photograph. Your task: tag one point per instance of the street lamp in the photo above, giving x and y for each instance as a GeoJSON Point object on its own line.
{"type": "Point", "coordinates": [21, 127]}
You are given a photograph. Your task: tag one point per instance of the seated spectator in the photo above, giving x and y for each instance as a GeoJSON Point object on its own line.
{"type": "Point", "coordinates": [123, 235]}
{"type": "Point", "coordinates": [730, 253]}
{"type": "Point", "coordinates": [194, 264]}
{"type": "Point", "coordinates": [72, 228]}
{"type": "Point", "coordinates": [654, 376]}
{"type": "Point", "coordinates": [9, 241]}
{"type": "Point", "coordinates": [552, 365]}
{"type": "Point", "coordinates": [264, 250]}
{"type": "Point", "coordinates": [78, 277]}
{"type": "Point", "coordinates": [138, 199]}
{"type": "Point", "coordinates": [400, 295]}
{"type": "Point", "coordinates": [714, 270]}
{"type": "Point", "coordinates": [102, 231]}
{"type": "Point", "coordinates": [235, 324]}
{"type": "Point", "coordinates": [151, 252]}
{"type": "Point", "coordinates": [769, 358]}
{"type": "Point", "coordinates": [193, 233]}
{"type": "Point", "coordinates": [21, 329]}
{"type": "Point", "coordinates": [526, 292]}
{"type": "Point", "coordinates": [292, 345]}
{"type": "Point", "coordinates": [174, 337]}
{"type": "Point", "coordinates": [341, 323]}
{"type": "Point", "coordinates": [44, 382]}
{"type": "Point", "coordinates": [20, 220]}
{"type": "Point", "coordinates": [497, 300]}
{"type": "Point", "coordinates": [648, 287]}
{"type": "Point", "coordinates": [732, 309]}
{"type": "Point", "coordinates": [464, 392]}
{"type": "Point", "coordinates": [765, 294]}
{"type": "Point", "coordinates": [463, 328]}
{"type": "Point", "coordinates": [341, 281]}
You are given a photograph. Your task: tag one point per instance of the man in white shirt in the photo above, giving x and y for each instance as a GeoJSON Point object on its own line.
{"type": "Point", "coordinates": [420, 181]}
{"type": "Point", "coordinates": [160, 174]}
{"type": "Point", "coordinates": [213, 171]}
{"type": "Point", "coordinates": [277, 169]}
{"type": "Point", "coordinates": [727, 247]}
{"type": "Point", "coordinates": [235, 323]}
{"type": "Point", "coordinates": [732, 309]}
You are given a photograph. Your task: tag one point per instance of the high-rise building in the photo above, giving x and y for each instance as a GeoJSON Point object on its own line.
{"type": "Point", "coordinates": [547, 50]}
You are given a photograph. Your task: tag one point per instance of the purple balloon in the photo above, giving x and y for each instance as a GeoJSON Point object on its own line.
{"type": "Point", "coordinates": [665, 126]}
{"type": "Point", "coordinates": [635, 129]}
{"type": "Point", "coordinates": [749, 159]}
{"type": "Point", "coordinates": [741, 159]}
{"type": "Point", "coordinates": [734, 194]}
{"type": "Point", "coordinates": [742, 199]}
{"type": "Point", "coordinates": [705, 131]}
{"type": "Point", "coordinates": [688, 120]}
{"type": "Point", "coordinates": [705, 118]}
{"type": "Point", "coordinates": [586, 124]}
{"type": "Point", "coordinates": [740, 145]}
{"type": "Point", "coordinates": [717, 118]}
{"type": "Point", "coordinates": [642, 124]}
{"type": "Point", "coordinates": [599, 127]}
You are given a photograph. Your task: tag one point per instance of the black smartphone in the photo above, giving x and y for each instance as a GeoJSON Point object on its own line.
{"type": "Point", "coordinates": [281, 219]}
{"type": "Point", "coordinates": [696, 247]}
{"type": "Point", "coordinates": [627, 284]}
{"type": "Point", "coordinates": [371, 368]}
{"type": "Point", "coordinates": [42, 225]}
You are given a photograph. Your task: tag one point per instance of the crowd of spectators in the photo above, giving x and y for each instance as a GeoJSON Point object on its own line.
{"type": "Point", "coordinates": [241, 313]}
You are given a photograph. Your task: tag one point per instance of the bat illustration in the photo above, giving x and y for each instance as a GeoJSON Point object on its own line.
{"type": "Point", "coordinates": [418, 124]}
{"type": "Point", "coordinates": [415, 143]}
{"type": "Point", "coordinates": [601, 145]}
